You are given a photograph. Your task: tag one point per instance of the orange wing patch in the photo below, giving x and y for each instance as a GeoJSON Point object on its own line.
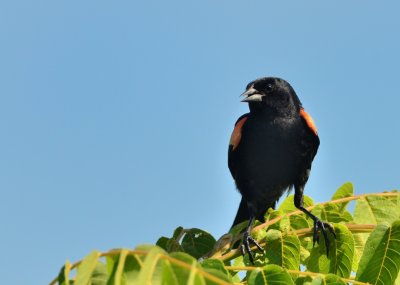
{"type": "Point", "coordinates": [309, 121]}
{"type": "Point", "coordinates": [237, 133]}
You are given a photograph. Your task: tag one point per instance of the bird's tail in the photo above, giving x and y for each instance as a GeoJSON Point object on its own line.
{"type": "Point", "coordinates": [243, 213]}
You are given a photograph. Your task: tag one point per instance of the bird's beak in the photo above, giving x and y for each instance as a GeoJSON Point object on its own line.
{"type": "Point", "coordinates": [252, 95]}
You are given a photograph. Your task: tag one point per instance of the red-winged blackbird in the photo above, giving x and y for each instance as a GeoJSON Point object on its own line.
{"type": "Point", "coordinates": [270, 151]}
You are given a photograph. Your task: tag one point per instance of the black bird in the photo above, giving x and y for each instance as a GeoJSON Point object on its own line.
{"type": "Point", "coordinates": [271, 150]}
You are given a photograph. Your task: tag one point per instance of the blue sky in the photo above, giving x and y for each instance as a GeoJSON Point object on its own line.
{"type": "Point", "coordinates": [115, 116]}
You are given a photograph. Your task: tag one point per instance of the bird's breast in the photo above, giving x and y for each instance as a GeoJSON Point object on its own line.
{"type": "Point", "coordinates": [268, 152]}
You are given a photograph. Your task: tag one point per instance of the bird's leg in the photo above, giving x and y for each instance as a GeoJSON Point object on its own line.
{"type": "Point", "coordinates": [318, 224]}
{"type": "Point", "coordinates": [249, 240]}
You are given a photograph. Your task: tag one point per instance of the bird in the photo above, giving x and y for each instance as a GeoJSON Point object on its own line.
{"type": "Point", "coordinates": [271, 151]}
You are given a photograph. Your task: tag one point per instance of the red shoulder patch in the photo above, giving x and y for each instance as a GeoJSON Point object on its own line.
{"type": "Point", "coordinates": [309, 121]}
{"type": "Point", "coordinates": [237, 133]}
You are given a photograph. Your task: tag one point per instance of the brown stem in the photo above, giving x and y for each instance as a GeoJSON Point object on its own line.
{"type": "Point", "coordinates": [313, 274]}
{"type": "Point", "coordinates": [162, 256]}
{"type": "Point", "coordinates": [354, 228]}
{"type": "Point", "coordinates": [235, 253]}
{"type": "Point", "coordinates": [341, 200]}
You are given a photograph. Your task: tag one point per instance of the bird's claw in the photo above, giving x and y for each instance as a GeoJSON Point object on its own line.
{"type": "Point", "coordinates": [322, 226]}
{"type": "Point", "coordinates": [245, 246]}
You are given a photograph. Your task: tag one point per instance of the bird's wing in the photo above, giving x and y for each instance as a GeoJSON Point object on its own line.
{"type": "Point", "coordinates": [235, 141]}
{"type": "Point", "coordinates": [312, 139]}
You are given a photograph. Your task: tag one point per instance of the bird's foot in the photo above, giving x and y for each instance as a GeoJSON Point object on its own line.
{"type": "Point", "coordinates": [245, 246]}
{"type": "Point", "coordinates": [322, 226]}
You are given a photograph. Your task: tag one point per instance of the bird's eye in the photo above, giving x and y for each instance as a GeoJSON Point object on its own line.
{"type": "Point", "coordinates": [269, 87]}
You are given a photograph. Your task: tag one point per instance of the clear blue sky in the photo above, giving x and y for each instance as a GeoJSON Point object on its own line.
{"type": "Point", "coordinates": [115, 116]}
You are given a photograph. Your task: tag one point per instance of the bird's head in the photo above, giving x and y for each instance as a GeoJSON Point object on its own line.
{"type": "Point", "coordinates": [271, 94]}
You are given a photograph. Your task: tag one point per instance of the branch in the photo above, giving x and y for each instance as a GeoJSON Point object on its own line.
{"type": "Point", "coordinates": [296, 272]}
{"type": "Point", "coordinates": [305, 232]}
{"type": "Point", "coordinates": [175, 261]}
{"type": "Point", "coordinates": [354, 228]}
{"type": "Point", "coordinates": [341, 200]}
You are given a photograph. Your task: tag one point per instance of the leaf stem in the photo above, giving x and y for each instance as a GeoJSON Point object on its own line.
{"type": "Point", "coordinates": [297, 272]}
{"type": "Point", "coordinates": [354, 228]}
{"type": "Point", "coordinates": [173, 260]}
{"type": "Point", "coordinates": [341, 200]}
{"type": "Point", "coordinates": [309, 208]}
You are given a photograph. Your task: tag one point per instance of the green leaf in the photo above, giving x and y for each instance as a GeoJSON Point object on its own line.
{"type": "Point", "coordinates": [132, 267]}
{"type": "Point", "coordinates": [111, 266]}
{"type": "Point", "coordinates": [332, 279]}
{"type": "Point", "coordinates": [172, 244]}
{"type": "Point", "coordinates": [304, 255]}
{"type": "Point", "coordinates": [86, 268]}
{"type": "Point", "coordinates": [178, 233]}
{"type": "Point", "coordinates": [216, 268]}
{"type": "Point", "coordinates": [239, 228]}
{"type": "Point", "coordinates": [151, 270]}
{"type": "Point", "coordinates": [344, 253]}
{"type": "Point", "coordinates": [220, 277]}
{"type": "Point", "coordinates": [376, 210]}
{"type": "Point", "coordinates": [118, 276]}
{"type": "Point", "coordinates": [282, 250]}
{"type": "Point", "coordinates": [163, 243]}
{"type": "Point", "coordinates": [100, 276]}
{"type": "Point", "coordinates": [397, 282]}
{"type": "Point", "coordinates": [197, 242]}
{"type": "Point", "coordinates": [304, 280]}
{"type": "Point", "coordinates": [168, 275]}
{"type": "Point", "coordinates": [359, 243]}
{"type": "Point", "coordinates": [340, 255]}
{"type": "Point", "coordinates": [63, 276]}
{"type": "Point", "coordinates": [298, 222]}
{"type": "Point", "coordinates": [238, 261]}
{"type": "Point", "coordinates": [283, 224]}
{"type": "Point", "coordinates": [132, 264]}
{"type": "Point", "coordinates": [216, 265]}
{"type": "Point", "coordinates": [271, 275]}
{"type": "Point", "coordinates": [331, 213]}
{"type": "Point", "coordinates": [380, 262]}
{"type": "Point", "coordinates": [223, 245]}
{"type": "Point", "coordinates": [184, 275]}
{"type": "Point", "coordinates": [346, 190]}
{"type": "Point", "coordinates": [328, 279]}
{"type": "Point", "coordinates": [288, 206]}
